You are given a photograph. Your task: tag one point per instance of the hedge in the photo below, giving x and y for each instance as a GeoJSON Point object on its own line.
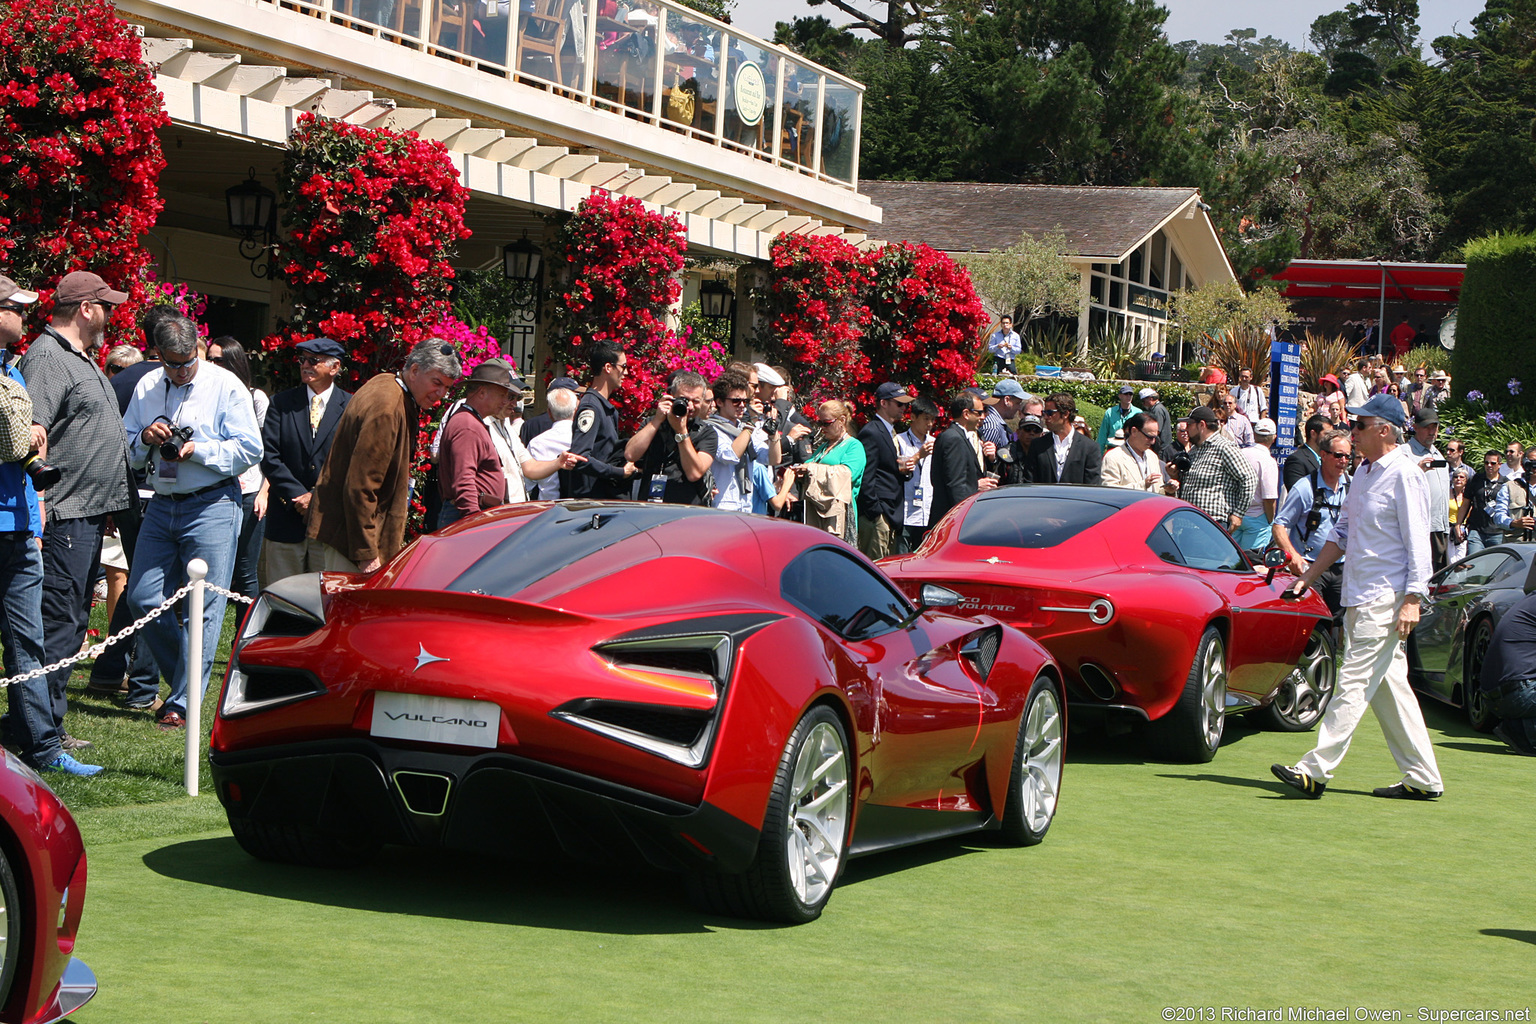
{"type": "Point", "coordinates": [1495, 332]}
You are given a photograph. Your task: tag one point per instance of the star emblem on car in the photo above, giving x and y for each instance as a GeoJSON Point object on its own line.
{"type": "Point", "coordinates": [994, 560]}
{"type": "Point", "coordinates": [425, 657]}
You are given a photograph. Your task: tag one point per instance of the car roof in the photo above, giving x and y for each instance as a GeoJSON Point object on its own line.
{"type": "Point", "coordinates": [1117, 497]}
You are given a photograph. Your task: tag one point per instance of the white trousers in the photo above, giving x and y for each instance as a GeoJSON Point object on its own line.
{"type": "Point", "coordinates": [1375, 673]}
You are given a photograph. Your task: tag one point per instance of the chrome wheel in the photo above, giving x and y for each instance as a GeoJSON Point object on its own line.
{"type": "Point", "coordinates": [818, 814]}
{"type": "Point", "coordinates": [1304, 693]}
{"type": "Point", "coordinates": [1040, 780]}
{"type": "Point", "coordinates": [10, 928]}
{"type": "Point", "coordinates": [1213, 693]}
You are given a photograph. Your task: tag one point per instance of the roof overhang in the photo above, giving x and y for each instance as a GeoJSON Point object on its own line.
{"type": "Point", "coordinates": [1373, 279]}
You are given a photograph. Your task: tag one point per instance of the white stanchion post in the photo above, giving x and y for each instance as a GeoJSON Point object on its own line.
{"type": "Point", "coordinates": [197, 571]}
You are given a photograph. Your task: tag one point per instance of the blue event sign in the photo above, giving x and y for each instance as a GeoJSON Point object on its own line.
{"type": "Point", "coordinates": [1285, 394]}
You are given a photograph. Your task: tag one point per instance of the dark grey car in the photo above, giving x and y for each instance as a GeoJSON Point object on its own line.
{"type": "Point", "coordinates": [1467, 599]}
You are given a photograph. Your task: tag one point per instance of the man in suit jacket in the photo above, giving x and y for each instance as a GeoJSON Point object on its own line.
{"type": "Point", "coordinates": [1062, 456]}
{"type": "Point", "coordinates": [1304, 461]}
{"type": "Point", "coordinates": [880, 494]}
{"type": "Point", "coordinates": [295, 441]}
{"type": "Point", "coordinates": [955, 473]}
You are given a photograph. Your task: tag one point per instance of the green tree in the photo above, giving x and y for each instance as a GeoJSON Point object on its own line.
{"type": "Point", "coordinates": [720, 9]}
{"type": "Point", "coordinates": [1028, 280]}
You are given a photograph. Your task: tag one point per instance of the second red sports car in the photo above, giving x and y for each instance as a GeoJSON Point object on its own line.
{"type": "Point", "coordinates": [1146, 604]}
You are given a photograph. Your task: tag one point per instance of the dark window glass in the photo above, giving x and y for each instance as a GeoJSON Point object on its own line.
{"type": "Point", "coordinates": [1030, 522]}
{"type": "Point", "coordinates": [1477, 570]}
{"type": "Point", "coordinates": [842, 594]}
{"type": "Point", "coordinates": [1202, 544]}
{"type": "Point", "coordinates": [1096, 289]}
{"type": "Point", "coordinates": [1162, 545]}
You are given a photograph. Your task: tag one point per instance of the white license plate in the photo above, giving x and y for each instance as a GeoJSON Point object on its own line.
{"type": "Point", "coordinates": [414, 716]}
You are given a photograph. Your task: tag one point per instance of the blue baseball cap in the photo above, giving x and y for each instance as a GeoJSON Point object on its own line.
{"type": "Point", "coordinates": [1383, 407]}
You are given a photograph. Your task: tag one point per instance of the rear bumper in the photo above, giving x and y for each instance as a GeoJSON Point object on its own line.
{"type": "Point", "coordinates": [491, 802]}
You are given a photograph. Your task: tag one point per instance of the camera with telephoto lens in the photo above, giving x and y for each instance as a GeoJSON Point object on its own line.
{"type": "Point", "coordinates": [1180, 462]}
{"type": "Point", "coordinates": [43, 475]}
{"type": "Point", "coordinates": [170, 448]}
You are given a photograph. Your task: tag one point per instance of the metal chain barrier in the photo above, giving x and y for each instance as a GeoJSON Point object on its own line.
{"type": "Point", "coordinates": [96, 650]}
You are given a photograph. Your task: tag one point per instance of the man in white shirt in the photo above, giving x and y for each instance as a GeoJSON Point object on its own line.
{"type": "Point", "coordinates": [733, 447]}
{"type": "Point", "coordinates": [1005, 346]}
{"type": "Point", "coordinates": [1356, 388]}
{"type": "Point", "coordinates": [1251, 401]}
{"type": "Point", "coordinates": [556, 441]}
{"type": "Point", "coordinates": [914, 450]}
{"type": "Point", "coordinates": [1254, 532]}
{"type": "Point", "coordinates": [1384, 527]}
{"type": "Point", "coordinates": [1437, 475]}
{"type": "Point", "coordinates": [1513, 454]}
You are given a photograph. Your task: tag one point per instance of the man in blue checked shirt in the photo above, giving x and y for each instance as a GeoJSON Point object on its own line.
{"type": "Point", "coordinates": [1005, 346]}
{"type": "Point", "coordinates": [30, 726]}
{"type": "Point", "coordinates": [193, 425]}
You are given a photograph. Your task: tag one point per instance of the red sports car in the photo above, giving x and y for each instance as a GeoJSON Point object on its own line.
{"type": "Point", "coordinates": [1145, 603]}
{"type": "Point", "coordinates": [741, 699]}
{"type": "Point", "coordinates": [42, 891]}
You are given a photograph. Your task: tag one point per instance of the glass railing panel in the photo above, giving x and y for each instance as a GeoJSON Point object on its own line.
{"type": "Point", "coordinates": [691, 72]}
{"type": "Point", "coordinates": [748, 114]}
{"type": "Point", "coordinates": [551, 41]}
{"type": "Point", "coordinates": [625, 78]}
{"type": "Point", "coordinates": [839, 130]}
{"type": "Point", "coordinates": [797, 137]}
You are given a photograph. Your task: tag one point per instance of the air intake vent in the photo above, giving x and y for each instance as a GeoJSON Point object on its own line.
{"type": "Point", "coordinates": [667, 659]}
{"type": "Point", "coordinates": [981, 647]}
{"type": "Point", "coordinates": [669, 724]}
{"type": "Point", "coordinates": [270, 684]}
{"type": "Point", "coordinates": [424, 792]}
{"type": "Point", "coordinates": [285, 623]}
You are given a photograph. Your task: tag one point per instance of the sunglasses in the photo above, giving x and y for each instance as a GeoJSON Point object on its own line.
{"type": "Point", "coordinates": [175, 367]}
{"type": "Point", "coordinates": [735, 401]}
{"type": "Point", "coordinates": [1338, 455]}
{"type": "Point", "coordinates": [11, 307]}
{"type": "Point", "coordinates": [312, 360]}
{"type": "Point", "coordinates": [826, 423]}
{"type": "Point", "coordinates": [1050, 412]}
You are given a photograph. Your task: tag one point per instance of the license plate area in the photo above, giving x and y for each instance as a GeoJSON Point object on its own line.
{"type": "Point", "coordinates": [450, 720]}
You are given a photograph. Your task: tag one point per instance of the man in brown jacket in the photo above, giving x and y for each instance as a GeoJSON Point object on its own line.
{"type": "Point", "coordinates": [362, 498]}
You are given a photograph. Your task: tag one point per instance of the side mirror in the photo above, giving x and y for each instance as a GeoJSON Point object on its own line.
{"type": "Point", "coordinates": [1274, 558]}
{"type": "Point", "coordinates": [935, 596]}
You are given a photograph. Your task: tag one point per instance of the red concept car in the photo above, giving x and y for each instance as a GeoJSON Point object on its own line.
{"type": "Point", "coordinates": [42, 891]}
{"type": "Point", "coordinates": [1146, 604]}
{"type": "Point", "coordinates": [744, 700]}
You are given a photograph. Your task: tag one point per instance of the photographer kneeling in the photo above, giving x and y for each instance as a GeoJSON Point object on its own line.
{"type": "Point", "coordinates": [194, 426]}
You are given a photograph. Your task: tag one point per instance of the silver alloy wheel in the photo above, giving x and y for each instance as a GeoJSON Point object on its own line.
{"type": "Point", "coordinates": [1303, 696]}
{"type": "Point", "coordinates": [1213, 693]}
{"type": "Point", "coordinates": [818, 814]}
{"type": "Point", "coordinates": [1040, 780]}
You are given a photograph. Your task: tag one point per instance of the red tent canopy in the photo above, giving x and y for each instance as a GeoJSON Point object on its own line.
{"type": "Point", "coordinates": [1373, 279]}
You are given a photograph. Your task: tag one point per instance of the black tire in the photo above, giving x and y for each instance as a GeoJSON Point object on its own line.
{"type": "Point", "coordinates": [1478, 705]}
{"type": "Point", "coordinates": [295, 844]}
{"type": "Point", "coordinates": [1191, 730]}
{"type": "Point", "coordinates": [775, 888]}
{"type": "Point", "coordinates": [12, 916]}
{"type": "Point", "coordinates": [1304, 694]}
{"type": "Point", "coordinates": [1038, 754]}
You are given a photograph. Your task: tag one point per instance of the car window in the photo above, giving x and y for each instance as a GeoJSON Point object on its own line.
{"type": "Point", "coordinates": [1477, 570]}
{"type": "Point", "coordinates": [1515, 567]}
{"type": "Point", "coordinates": [1202, 544]}
{"type": "Point", "coordinates": [1030, 521]}
{"type": "Point", "coordinates": [843, 594]}
{"type": "Point", "coordinates": [1162, 545]}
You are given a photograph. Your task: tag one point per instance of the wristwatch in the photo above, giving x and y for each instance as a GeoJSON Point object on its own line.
{"type": "Point", "coordinates": [679, 438]}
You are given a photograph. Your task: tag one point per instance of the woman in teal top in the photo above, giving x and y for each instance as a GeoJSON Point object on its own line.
{"type": "Point", "coordinates": [839, 447]}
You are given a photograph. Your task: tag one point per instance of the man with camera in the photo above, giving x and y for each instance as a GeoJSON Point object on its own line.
{"type": "Point", "coordinates": [29, 724]}
{"type": "Point", "coordinates": [192, 426]}
{"type": "Point", "coordinates": [1219, 481]}
{"type": "Point", "coordinates": [676, 448]}
{"type": "Point", "coordinates": [1310, 509]}
{"type": "Point", "coordinates": [75, 412]}
{"type": "Point", "coordinates": [1518, 518]}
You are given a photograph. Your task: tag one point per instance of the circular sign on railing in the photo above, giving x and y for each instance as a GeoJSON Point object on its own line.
{"type": "Point", "coordinates": [750, 92]}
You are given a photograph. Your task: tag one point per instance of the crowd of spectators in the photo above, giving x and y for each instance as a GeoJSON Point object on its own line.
{"type": "Point", "coordinates": [175, 454]}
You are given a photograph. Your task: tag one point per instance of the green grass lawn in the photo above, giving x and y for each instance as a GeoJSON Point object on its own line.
{"type": "Point", "coordinates": [1158, 886]}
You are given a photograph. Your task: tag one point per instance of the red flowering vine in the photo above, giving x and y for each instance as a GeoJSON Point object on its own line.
{"type": "Point", "coordinates": [845, 321]}
{"type": "Point", "coordinates": [623, 260]}
{"type": "Point", "coordinates": [373, 217]}
{"type": "Point", "coordinates": [80, 163]}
